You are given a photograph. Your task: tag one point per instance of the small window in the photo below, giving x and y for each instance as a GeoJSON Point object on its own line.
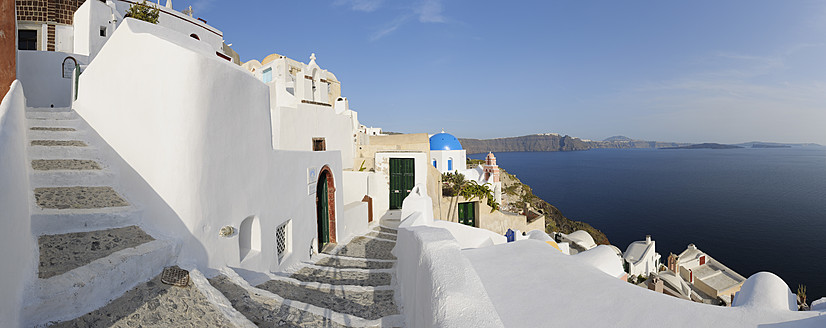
{"type": "Point", "coordinates": [319, 144]}
{"type": "Point", "coordinates": [27, 39]}
{"type": "Point", "coordinates": [450, 164]}
{"type": "Point", "coordinates": [282, 242]}
{"type": "Point", "coordinates": [103, 31]}
{"type": "Point", "coordinates": [434, 164]}
{"type": "Point", "coordinates": [267, 75]}
{"type": "Point", "coordinates": [194, 36]}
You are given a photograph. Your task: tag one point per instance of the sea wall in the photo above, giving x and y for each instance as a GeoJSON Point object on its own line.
{"type": "Point", "coordinates": [19, 255]}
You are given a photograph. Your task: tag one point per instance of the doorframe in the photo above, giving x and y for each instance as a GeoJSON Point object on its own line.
{"type": "Point", "coordinates": [331, 204]}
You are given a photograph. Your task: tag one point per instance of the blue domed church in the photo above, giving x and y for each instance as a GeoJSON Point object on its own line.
{"type": "Point", "coordinates": [446, 153]}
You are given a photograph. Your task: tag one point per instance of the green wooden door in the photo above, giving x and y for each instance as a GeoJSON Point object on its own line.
{"type": "Point", "coordinates": [467, 214]}
{"type": "Point", "coordinates": [323, 212]}
{"type": "Point", "coordinates": [402, 180]}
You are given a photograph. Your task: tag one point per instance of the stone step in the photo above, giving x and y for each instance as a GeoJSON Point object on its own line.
{"type": "Point", "coordinates": [368, 248]}
{"type": "Point", "coordinates": [91, 286]}
{"type": "Point", "coordinates": [56, 221]}
{"type": "Point", "coordinates": [155, 304]}
{"type": "Point", "coordinates": [382, 235]}
{"type": "Point", "coordinates": [334, 276]}
{"type": "Point", "coordinates": [368, 304]}
{"type": "Point", "coordinates": [65, 164]}
{"type": "Point", "coordinates": [76, 124]}
{"type": "Point", "coordinates": [386, 230]}
{"type": "Point", "coordinates": [58, 143]}
{"type": "Point", "coordinates": [267, 312]}
{"type": "Point", "coordinates": [67, 178]}
{"type": "Point", "coordinates": [58, 135]}
{"type": "Point", "coordinates": [89, 152]}
{"type": "Point", "coordinates": [64, 252]}
{"type": "Point", "coordinates": [51, 115]}
{"type": "Point", "coordinates": [78, 197]}
{"type": "Point", "coordinates": [52, 129]}
{"type": "Point", "coordinates": [267, 309]}
{"type": "Point", "coordinates": [343, 262]}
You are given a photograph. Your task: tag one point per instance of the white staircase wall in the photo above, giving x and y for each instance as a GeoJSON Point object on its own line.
{"type": "Point", "coordinates": [19, 255]}
{"type": "Point", "coordinates": [194, 138]}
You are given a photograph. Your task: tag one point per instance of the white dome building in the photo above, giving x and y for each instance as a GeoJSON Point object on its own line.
{"type": "Point", "coordinates": [446, 153]}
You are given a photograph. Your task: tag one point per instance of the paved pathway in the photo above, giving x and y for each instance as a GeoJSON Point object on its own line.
{"type": "Point", "coordinates": [351, 285]}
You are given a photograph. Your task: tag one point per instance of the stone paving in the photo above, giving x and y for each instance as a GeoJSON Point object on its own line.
{"type": "Point", "coordinates": [369, 248]}
{"type": "Point", "coordinates": [50, 128]}
{"type": "Point", "coordinates": [340, 262]}
{"type": "Point", "coordinates": [78, 197]}
{"type": "Point", "coordinates": [265, 311]}
{"type": "Point", "coordinates": [154, 304]}
{"type": "Point", "coordinates": [62, 253]}
{"type": "Point", "coordinates": [64, 164]}
{"type": "Point", "coordinates": [381, 235]}
{"type": "Point", "coordinates": [386, 230]}
{"type": "Point", "coordinates": [59, 143]}
{"type": "Point", "coordinates": [369, 305]}
{"type": "Point", "coordinates": [337, 277]}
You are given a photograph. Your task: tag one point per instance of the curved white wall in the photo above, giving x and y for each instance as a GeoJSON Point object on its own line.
{"type": "Point", "coordinates": [194, 134]}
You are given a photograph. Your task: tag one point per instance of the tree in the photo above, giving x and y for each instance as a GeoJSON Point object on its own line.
{"type": "Point", "coordinates": [144, 12]}
{"type": "Point", "coordinates": [454, 184]}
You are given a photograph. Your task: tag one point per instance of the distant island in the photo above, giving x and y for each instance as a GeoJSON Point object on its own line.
{"type": "Point", "coordinates": [556, 142]}
{"type": "Point", "coordinates": [708, 145]}
{"type": "Point", "coordinates": [769, 146]}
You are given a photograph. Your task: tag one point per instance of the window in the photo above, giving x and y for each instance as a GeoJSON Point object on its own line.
{"type": "Point", "coordinates": [103, 31]}
{"type": "Point", "coordinates": [434, 164]}
{"type": "Point", "coordinates": [282, 245]}
{"type": "Point", "coordinates": [450, 164]}
{"type": "Point", "coordinates": [267, 75]}
{"type": "Point", "coordinates": [194, 36]}
{"type": "Point", "coordinates": [319, 144]}
{"type": "Point", "coordinates": [27, 39]}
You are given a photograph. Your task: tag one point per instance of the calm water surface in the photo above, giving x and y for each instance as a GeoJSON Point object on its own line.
{"type": "Point", "coordinates": [752, 209]}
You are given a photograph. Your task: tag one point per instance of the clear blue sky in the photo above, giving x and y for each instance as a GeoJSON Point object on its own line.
{"type": "Point", "coordinates": [692, 71]}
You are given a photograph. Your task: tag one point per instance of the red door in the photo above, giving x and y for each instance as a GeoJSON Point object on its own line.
{"type": "Point", "coordinates": [702, 260]}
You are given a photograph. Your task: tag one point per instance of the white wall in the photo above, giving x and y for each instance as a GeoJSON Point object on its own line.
{"type": "Point", "coordinates": [64, 35]}
{"type": "Point", "coordinates": [175, 20]}
{"type": "Point", "coordinates": [41, 74]}
{"type": "Point", "coordinates": [88, 20]}
{"type": "Point", "coordinates": [196, 147]}
{"type": "Point", "coordinates": [433, 293]}
{"type": "Point", "coordinates": [298, 127]}
{"type": "Point", "coordinates": [442, 156]}
{"type": "Point", "coordinates": [19, 253]}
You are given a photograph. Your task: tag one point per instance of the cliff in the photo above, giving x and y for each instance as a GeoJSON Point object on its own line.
{"type": "Point", "coordinates": [554, 142]}
{"type": "Point", "coordinates": [516, 194]}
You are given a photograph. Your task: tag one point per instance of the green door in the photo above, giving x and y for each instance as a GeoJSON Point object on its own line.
{"type": "Point", "coordinates": [467, 214]}
{"type": "Point", "coordinates": [402, 179]}
{"type": "Point", "coordinates": [323, 212]}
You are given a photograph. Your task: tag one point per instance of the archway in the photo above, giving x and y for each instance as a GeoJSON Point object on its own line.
{"type": "Point", "coordinates": [326, 207]}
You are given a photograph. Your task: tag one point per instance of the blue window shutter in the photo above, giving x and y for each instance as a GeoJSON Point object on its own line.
{"type": "Point", "coordinates": [434, 164]}
{"type": "Point", "coordinates": [450, 165]}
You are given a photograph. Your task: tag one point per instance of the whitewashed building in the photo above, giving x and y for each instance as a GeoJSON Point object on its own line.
{"type": "Point", "coordinates": [641, 258]}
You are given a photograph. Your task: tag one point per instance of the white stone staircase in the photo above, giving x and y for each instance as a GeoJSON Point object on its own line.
{"type": "Point", "coordinates": [91, 249]}
{"type": "Point", "coordinates": [98, 267]}
{"type": "Point", "coordinates": [350, 286]}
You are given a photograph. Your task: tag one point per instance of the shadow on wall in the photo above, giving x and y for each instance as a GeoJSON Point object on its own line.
{"type": "Point", "coordinates": [157, 217]}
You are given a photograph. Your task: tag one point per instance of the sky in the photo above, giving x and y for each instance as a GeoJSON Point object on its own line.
{"type": "Point", "coordinates": [686, 71]}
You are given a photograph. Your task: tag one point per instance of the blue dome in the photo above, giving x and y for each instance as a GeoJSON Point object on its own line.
{"type": "Point", "coordinates": [444, 141]}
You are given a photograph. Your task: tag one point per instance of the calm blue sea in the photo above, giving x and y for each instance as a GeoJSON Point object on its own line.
{"type": "Point", "coordinates": [752, 209]}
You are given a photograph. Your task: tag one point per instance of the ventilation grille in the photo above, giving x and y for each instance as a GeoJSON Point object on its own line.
{"type": "Point", "coordinates": [281, 241]}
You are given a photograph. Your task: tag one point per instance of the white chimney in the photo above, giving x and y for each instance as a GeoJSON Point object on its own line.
{"type": "Point", "coordinates": [169, 4]}
{"type": "Point", "coordinates": [647, 239]}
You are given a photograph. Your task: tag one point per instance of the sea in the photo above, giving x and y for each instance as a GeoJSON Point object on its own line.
{"type": "Point", "coordinates": [753, 209]}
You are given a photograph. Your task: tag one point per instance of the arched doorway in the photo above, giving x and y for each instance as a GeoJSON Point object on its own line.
{"type": "Point", "coordinates": [326, 208]}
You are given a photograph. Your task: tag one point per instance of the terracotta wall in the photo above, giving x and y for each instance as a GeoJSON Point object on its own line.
{"type": "Point", "coordinates": [8, 46]}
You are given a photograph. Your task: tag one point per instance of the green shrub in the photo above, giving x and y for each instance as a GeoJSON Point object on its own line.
{"type": "Point", "coordinates": [144, 12]}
